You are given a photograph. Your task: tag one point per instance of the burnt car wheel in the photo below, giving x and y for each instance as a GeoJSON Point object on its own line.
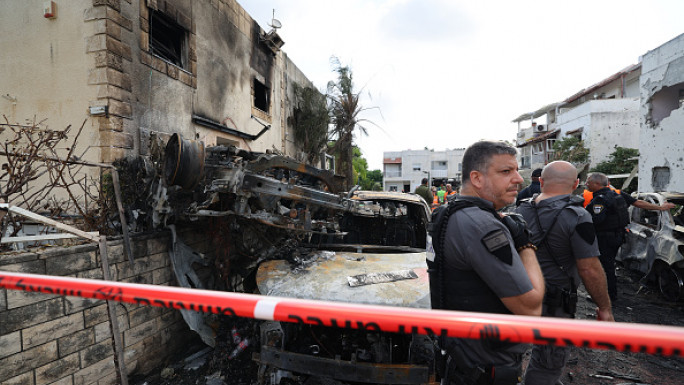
{"type": "Point", "coordinates": [671, 284]}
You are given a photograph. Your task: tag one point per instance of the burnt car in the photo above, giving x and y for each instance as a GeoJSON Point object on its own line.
{"type": "Point", "coordinates": [380, 261]}
{"type": "Point", "coordinates": [654, 244]}
{"type": "Point", "coordinates": [285, 228]}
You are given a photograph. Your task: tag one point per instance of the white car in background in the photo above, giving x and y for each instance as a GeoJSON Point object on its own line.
{"type": "Point", "coordinates": [654, 244]}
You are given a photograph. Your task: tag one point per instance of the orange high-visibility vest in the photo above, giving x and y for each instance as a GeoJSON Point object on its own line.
{"type": "Point", "coordinates": [435, 201]}
{"type": "Point", "coordinates": [588, 195]}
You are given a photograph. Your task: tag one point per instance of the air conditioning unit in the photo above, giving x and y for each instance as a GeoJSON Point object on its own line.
{"type": "Point", "coordinates": [541, 127]}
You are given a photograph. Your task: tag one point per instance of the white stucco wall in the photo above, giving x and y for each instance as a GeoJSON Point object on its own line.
{"type": "Point", "coordinates": [44, 68]}
{"type": "Point", "coordinates": [605, 123]}
{"type": "Point", "coordinates": [424, 158]}
{"type": "Point", "coordinates": [661, 160]}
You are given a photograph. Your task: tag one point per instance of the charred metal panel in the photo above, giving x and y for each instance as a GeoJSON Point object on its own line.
{"type": "Point", "coordinates": [344, 370]}
{"type": "Point", "coordinates": [332, 181]}
{"type": "Point", "coordinates": [326, 278]}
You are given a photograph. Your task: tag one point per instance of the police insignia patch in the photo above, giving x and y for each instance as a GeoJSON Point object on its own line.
{"type": "Point", "coordinates": [586, 232]}
{"type": "Point", "coordinates": [496, 242]}
{"type": "Point", "coordinates": [598, 209]}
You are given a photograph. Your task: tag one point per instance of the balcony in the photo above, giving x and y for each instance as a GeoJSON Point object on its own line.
{"type": "Point", "coordinates": [438, 173]}
{"type": "Point", "coordinates": [392, 174]}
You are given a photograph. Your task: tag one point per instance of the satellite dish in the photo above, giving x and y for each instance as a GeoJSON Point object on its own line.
{"type": "Point", "coordinates": [275, 23]}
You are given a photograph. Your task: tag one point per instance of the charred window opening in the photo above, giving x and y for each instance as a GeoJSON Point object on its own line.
{"type": "Point", "coordinates": [661, 178]}
{"type": "Point", "coordinates": [168, 40]}
{"type": "Point", "coordinates": [665, 101]}
{"type": "Point", "coordinates": [261, 93]}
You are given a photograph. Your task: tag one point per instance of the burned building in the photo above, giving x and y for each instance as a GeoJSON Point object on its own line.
{"type": "Point", "coordinates": [132, 73]}
{"type": "Point", "coordinates": [145, 69]}
{"type": "Point", "coordinates": [661, 159]}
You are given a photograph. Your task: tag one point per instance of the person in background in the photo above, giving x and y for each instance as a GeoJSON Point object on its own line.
{"type": "Point", "coordinates": [441, 193]}
{"type": "Point", "coordinates": [609, 213]}
{"type": "Point", "coordinates": [567, 251]}
{"type": "Point", "coordinates": [588, 195]}
{"type": "Point", "coordinates": [449, 192]}
{"type": "Point", "coordinates": [532, 189]}
{"type": "Point", "coordinates": [435, 199]}
{"type": "Point", "coordinates": [424, 191]}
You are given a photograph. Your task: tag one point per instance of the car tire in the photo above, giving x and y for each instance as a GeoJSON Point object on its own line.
{"type": "Point", "coordinates": [671, 284]}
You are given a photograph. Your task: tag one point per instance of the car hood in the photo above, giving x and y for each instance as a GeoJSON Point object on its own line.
{"type": "Point", "coordinates": [328, 279]}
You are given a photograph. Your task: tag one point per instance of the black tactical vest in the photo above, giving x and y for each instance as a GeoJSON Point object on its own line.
{"type": "Point", "coordinates": [617, 216]}
{"type": "Point", "coordinates": [456, 289]}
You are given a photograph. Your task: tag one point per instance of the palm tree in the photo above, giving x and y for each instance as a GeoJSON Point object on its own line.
{"type": "Point", "coordinates": [344, 108]}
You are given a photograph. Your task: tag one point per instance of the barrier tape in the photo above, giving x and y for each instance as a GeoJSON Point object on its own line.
{"type": "Point", "coordinates": [626, 337]}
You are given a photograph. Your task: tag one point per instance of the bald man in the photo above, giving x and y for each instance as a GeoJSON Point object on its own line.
{"type": "Point", "coordinates": [567, 252]}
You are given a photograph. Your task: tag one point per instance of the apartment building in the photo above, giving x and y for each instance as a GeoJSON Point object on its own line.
{"type": "Point", "coordinates": [404, 170]}
{"type": "Point", "coordinates": [603, 115]}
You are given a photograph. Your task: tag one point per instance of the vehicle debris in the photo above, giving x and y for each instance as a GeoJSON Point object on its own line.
{"type": "Point", "coordinates": [654, 244]}
{"type": "Point", "coordinates": [390, 276]}
{"type": "Point", "coordinates": [293, 232]}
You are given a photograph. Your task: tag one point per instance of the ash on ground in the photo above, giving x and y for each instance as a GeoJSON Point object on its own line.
{"type": "Point", "coordinates": [231, 363]}
{"type": "Point", "coordinates": [635, 304]}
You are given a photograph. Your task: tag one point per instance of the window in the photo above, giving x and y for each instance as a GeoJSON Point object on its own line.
{"type": "Point", "coordinates": [393, 188]}
{"type": "Point", "coordinates": [261, 95]}
{"type": "Point", "coordinates": [416, 167]}
{"type": "Point", "coordinates": [647, 218]}
{"type": "Point", "coordinates": [549, 144]}
{"type": "Point", "coordinates": [537, 148]}
{"type": "Point", "coordinates": [168, 39]}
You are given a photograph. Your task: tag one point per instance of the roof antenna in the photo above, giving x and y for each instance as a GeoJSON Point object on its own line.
{"type": "Point", "coordinates": [275, 23]}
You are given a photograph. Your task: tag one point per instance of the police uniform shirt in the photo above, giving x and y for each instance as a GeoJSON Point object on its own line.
{"type": "Point", "coordinates": [599, 205]}
{"type": "Point", "coordinates": [572, 237]}
{"type": "Point", "coordinates": [464, 249]}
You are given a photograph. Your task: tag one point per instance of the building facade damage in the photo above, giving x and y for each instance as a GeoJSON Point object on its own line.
{"type": "Point", "coordinates": [603, 115]}
{"type": "Point", "coordinates": [192, 102]}
{"type": "Point", "coordinates": [661, 159]}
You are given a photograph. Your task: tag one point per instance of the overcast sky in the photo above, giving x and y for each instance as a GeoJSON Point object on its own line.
{"type": "Point", "coordinates": [446, 73]}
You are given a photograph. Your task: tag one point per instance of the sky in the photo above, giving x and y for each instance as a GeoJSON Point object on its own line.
{"type": "Point", "coordinates": [444, 74]}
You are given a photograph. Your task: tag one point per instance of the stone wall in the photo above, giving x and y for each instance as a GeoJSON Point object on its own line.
{"type": "Point", "coordinates": [47, 339]}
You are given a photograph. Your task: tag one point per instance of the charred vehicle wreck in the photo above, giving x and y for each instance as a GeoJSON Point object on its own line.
{"type": "Point", "coordinates": [293, 232]}
{"type": "Point", "coordinates": [654, 244]}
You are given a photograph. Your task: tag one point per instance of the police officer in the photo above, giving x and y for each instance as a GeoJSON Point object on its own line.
{"type": "Point", "coordinates": [609, 213]}
{"type": "Point", "coordinates": [567, 251]}
{"type": "Point", "coordinates": [530, 190]}
{"type": "Point", "coordinates": [487, 265]}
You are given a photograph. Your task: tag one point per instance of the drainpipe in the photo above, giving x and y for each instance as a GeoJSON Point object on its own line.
{"type": "Point", "coordinates": [202, 121]}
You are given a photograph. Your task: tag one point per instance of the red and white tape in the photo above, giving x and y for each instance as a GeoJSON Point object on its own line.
{"type": "Point", "coordinates": [629, 337]}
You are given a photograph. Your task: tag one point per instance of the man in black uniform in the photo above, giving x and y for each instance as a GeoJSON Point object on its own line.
{"type": "Point", "coordinates": [484, 262]}
{"type": "Point", "coordinates": [567, 252]}
{"type": "Point", "coordinates": [530, 190]}
{"type": "Point", "coordinates": [608, 210]}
